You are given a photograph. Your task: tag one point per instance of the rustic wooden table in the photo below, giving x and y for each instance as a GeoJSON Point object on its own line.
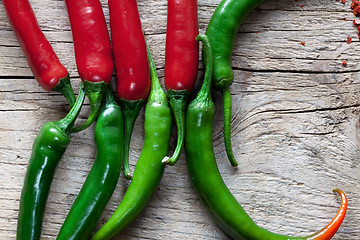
{"type": "Point", "coordinates": [295, 124]}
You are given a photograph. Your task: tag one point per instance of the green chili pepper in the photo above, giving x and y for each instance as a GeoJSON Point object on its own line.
{"type": "Point", "coordinates": [149, 169]}
{"type": "Point", "coordinates": [103, 176]}
{"type": "Point", "coordinates": [214, 194]}
{"type": "Point", "coordinates": [221, 31]}
{"type": "Point", "coordinates": [48, 148]}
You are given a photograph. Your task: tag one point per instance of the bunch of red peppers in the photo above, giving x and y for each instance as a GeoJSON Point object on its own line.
{"type": "Point", "coordinates": [137, 85]}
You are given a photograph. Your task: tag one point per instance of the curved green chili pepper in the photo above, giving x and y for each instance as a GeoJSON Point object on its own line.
{"type": "Point", "coordinates": [48, 148]}
{"type": "Point", "coordinates": [221, 31]}
{"type": "Point", "coordinates": [103, 177]}
{"type": "Point", "coordinates": [149, 169]}
{"type": "Point", "coordinates": [205, 176]}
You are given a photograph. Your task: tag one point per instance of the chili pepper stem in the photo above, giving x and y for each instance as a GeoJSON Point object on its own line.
{"type": "Point", "coordinates": [227, 124]}
{"type": "Point", "coordinates": [157, 94]}
{"type": "Point", "coordinates": [67, 123]}
{"type": "Point", "coordinates": [64, 87]}
{"type": "Point", "coordinates": [95, 92]}
{"type": "Point", "coordinates": [109, 97]}
{"type": "Point", "coordinates": [178, 103]}
{"type": "Point", "coordinates": [205, 91]}
{"type": "Point", "coordinates": [131, 111]}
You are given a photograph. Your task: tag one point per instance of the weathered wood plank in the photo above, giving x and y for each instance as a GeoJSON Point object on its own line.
{"type": "Point", "coordinates": [295, 124]}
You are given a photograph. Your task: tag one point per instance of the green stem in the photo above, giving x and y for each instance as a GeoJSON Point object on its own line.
{"type": "Point", "coordinates": [178, 103]}
{"type": "Point", "coordinates": [227, 124]}
{"type": "Point", "coordinates": [67, 123]}
{"type": "Point", "coordinates": [64, 87]}
{"type": "Point", "coordinates": [95, 92]}
{"type": "Point", "coordinates": [109, 97]}
{"type": "Point", "coordinates": [131, 111]}
{"type": "Point", "coordinates": [157, 94]}
{"type": "Point", "coordinates": [205, 91]}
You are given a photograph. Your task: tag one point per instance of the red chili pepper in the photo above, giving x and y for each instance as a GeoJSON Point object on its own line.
{"type": "Point", "coordinates": [92, 51]}
{"type": "Point", "coordinates": [131, 65]}
{"type": "Point", "coordinates": [181, 62]}
{"type": "Point", "coordinates": [44, 64]}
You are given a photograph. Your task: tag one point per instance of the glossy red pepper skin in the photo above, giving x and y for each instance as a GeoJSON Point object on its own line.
{"type": "Point", "coordinates": [91, 40]}
{"type": "Point", "coordinates": [131, 65]}
{"type": "Point", "coordinates": [129, 49]}
{"type": "Point", "coordinates": [181, 63]}
{"type": "Point", "coordinates": [92, 50]}
{"type": "Point", "coordinates": [182, 49]}
{"type": "Point", "coordinates": [44, 63]}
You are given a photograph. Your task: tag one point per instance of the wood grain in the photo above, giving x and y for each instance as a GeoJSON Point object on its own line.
{"type": "Point", "coordinates": [295, 124]}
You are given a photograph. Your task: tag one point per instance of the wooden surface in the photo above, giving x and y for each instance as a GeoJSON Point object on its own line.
{"type": "Point", "coordinates": [295, 124]}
